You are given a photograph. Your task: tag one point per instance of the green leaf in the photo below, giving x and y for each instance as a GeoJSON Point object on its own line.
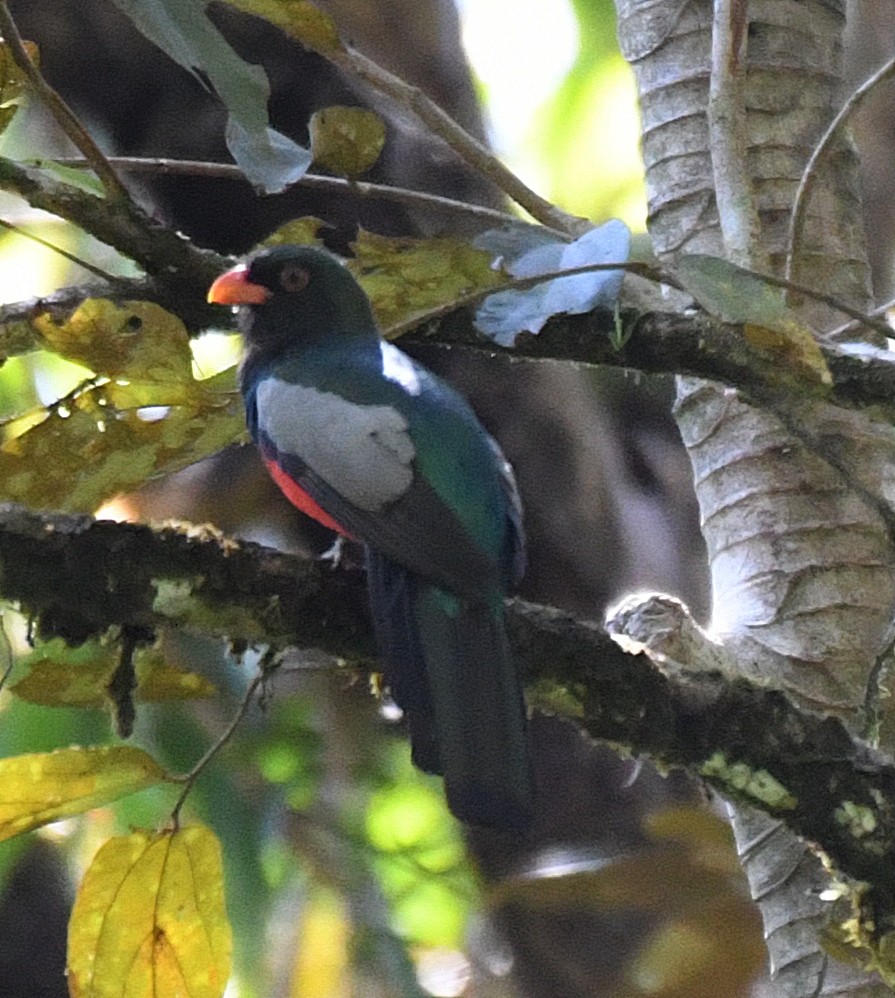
{"type": "Point", "coordinates": [73, 176]}
{"type": "Point", "coordinates": [137, 340]}
{"type": "Point", "coordinates": [346, 140]}
{"type": "Point", "coordinates": [735, 295]}
{"type": "Point", "coordinates": [61, 677]}
{"type": "Point", "coordinates": [303, 230]}
{"type": "Point", "coordinates": [181, 29]}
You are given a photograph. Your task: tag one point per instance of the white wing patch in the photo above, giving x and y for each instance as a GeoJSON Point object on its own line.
{"type": "Point", "coordinates": [398, 367]}
{"type": "Point", "coordinates": [363, 451]}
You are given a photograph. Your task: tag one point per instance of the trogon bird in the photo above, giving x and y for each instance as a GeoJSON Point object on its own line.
{"type": "Point", "coordinates": [373, 445]}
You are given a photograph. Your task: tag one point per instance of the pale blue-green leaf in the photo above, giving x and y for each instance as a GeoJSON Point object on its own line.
{"type": "Point", "coordinates": [182, 30]}
{"type": "Point", "coordinates": [270, 160]}
{"type": "Point", "coordinates": [157, 22]}
{"type": "Point", "coordinates": [504, 315]}
{"type": "Point", "coordinates": [512, 241]}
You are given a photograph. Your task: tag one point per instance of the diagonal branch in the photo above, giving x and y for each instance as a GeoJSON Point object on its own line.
{"type": "Point", "coordinates": [161, 252]}
{"type": "Point", "coordinates": [61, 112]}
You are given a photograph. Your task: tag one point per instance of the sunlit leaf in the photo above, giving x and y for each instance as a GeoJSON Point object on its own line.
{"type": "Point", "coordinates": [298, 18]}
{"type": "Point", "coordinates": [346, 140]}
{"type": "Point", "coordinates": [138, 340]}
{"type": "Point", "coordinates": [181, 29]}
{"type": "Point", "coordinates": [504, 315]}
{"type": "Point", "coordinates": [149, 920]}
{"type": "Point", "coordinates": [421, 862]}
{"type": "Point", "coordinates": [735, 295]}
{"type": "Point", "coordinates": [43, 787]}
{"type": "Point", "coordinates": [89, 450]}
{"type": "Point", "coordinates": [404, 277]}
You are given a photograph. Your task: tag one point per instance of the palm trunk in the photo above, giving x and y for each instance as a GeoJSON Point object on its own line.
{"type": "Point", "coordinates": [800, 554]}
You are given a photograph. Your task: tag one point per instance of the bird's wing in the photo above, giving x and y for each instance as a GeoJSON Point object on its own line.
{"type": "Point", "coordinates": [356, 461]}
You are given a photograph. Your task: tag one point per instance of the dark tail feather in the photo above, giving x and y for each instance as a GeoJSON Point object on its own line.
{"type": "Point", "coordinates": [479, 710]}
{"type": "Point", "coordinates": [449, 669]}
{"type": "Point", "coordinates": [391, 604]}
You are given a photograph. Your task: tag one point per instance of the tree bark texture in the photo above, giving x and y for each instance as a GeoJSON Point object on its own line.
{"type": "Point", "coordinates": [796, 524]}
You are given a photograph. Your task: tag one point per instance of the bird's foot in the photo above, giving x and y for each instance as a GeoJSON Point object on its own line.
{"type": "Point", "coordinates": [334, 553]}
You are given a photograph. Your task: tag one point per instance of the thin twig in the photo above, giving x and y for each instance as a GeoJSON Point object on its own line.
{"type": "Point", "coordinates": [809, 175]}
{"type": "Point", "coordinates": [96, 271]}
{"type": "Point", "coordinates": [165, 166]}
{"type": "Point", "coordinates": [468, 148]}
{"type": "Point", "coordinates": [61, 112]}
{"type": "Point", "coordinates": [738, 217]}
{"type": "Point", "coordinates": [844, 332]}
{"type": "Point", "coordinates": [832, 301]}
{"type": "Point", "coordinates": [189, 779]}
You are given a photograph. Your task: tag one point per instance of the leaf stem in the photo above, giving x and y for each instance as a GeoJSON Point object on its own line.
{"type": "Point", "coordinates": [61, 112]}
{"type": "Point", "coordinates": [189, 779]}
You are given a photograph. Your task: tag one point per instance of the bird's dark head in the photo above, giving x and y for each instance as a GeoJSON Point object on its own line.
{"type": "Point", "coordinates": [293, 294]}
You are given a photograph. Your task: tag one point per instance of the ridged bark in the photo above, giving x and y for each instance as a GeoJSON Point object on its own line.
{"type": "Point", "coordinates": [793, 511]}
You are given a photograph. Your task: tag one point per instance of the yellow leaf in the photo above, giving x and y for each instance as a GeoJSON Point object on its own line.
{"type": "Point", "coordinates": [159, 682]}
{"type": "Point", "coordinates": [346, 140]}
{"type": "Point", "coordinates": [54, 683]}
{"type": "Point", "coordinates": [44, 787]}
{"type": "Point", "coordinates": [89, 450]}
{"type": "Point", "coordinates": [298, 18]}
{"type": "Point", "coordinates": [301, 230]}
{"type": "Point", "coordinates": [149, 920]}
{"type": "Point", "coordinates": [137, 340]}
{"type": "Point", "coordinates": [65, 684]}
{"type": "Point", "coordinates": [404, 277]}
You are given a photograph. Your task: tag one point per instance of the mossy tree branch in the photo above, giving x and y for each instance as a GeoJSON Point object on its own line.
{"type": "Point", "coordinates": [79, 577]}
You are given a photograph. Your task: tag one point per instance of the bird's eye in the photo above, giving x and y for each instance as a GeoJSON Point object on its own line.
{"type": "Point", "coordinates": [294, 278]}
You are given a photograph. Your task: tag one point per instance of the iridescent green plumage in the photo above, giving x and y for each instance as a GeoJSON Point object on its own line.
{"type": "Point", "coordinates": [353, 428]}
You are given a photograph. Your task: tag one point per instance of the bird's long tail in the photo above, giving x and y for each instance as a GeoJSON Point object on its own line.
{"type": "Point", "coordinates": [449, 667]}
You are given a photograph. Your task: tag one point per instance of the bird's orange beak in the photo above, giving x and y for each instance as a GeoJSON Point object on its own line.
{"type": "Point", "coordinates": [235, 288]}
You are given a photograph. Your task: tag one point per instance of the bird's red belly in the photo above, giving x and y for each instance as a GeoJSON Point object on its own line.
{"type": "Point", "coordinates": [300, 499]}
